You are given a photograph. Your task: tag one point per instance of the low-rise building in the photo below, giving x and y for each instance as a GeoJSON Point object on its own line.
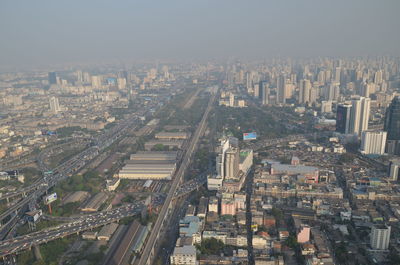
{"type": "Point", "coordinates": [185, 255]}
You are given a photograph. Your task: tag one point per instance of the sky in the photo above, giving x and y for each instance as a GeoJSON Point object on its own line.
{"type": "Point", "coordinates": [83, 31]}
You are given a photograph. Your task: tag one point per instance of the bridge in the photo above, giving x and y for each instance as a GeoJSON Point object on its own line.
{"type": "Point", "coordinates": [90, 221]}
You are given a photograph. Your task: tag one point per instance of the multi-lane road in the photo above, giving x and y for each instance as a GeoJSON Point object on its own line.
{"type": "Point", "coordinates": [87, 222]}
{"type": "Point", "coordinates": [63, 171]}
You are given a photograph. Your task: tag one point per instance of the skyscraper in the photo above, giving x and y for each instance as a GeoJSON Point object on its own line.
{"type": "Point", "coordinates": [264, 92]}
{"type": "Point", "coordinates": [52, 78]}
{"type": "Point", "coordinates": [304, 91]}
{"type": "Point", "coordinates": [343, 118]}
{"type": "Point", "coordinates": [380, 237]}
{"type": "Point", "coordinates": [281, 89]}
{"type": "Point", "coordinates": [392, 126]}
{"type": "Point", "coordinates": [54, 105]}
{"type": "Point", "coordinates": [359, 116]}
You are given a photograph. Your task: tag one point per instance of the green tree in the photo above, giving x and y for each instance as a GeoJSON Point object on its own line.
{"type": "Point", "coordinates": [211, 246]}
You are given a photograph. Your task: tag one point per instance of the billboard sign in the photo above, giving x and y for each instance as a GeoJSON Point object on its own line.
{"type": "Point", "coordinates": [249, 136]}
{"type": "Point", "coordinates": [46, 132]}
{"type": "Point", "coordinates": [50, 198]}
{"type": "Point", "coordinates": [12, 173]}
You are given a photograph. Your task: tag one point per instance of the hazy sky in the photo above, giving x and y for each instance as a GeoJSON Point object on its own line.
{"type": "Point", "coordinates": [54, 32]}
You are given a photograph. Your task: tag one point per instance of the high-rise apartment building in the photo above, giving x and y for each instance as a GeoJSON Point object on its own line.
{"type": "Point", "coordinates": [373, 142]}
{"type": "Point", "coordinates": [392, 127]}
{"type": "Point", "coordinates": [359, 116]}
{"type": "Point", "coordinates": [54, 105]}
{"type": "Point", "coordinates": [380, 237]}
{"type": "Point", "coordinates": [232, 163]}
{"type": "Point", "coordinates": [304, 91]}
{"type": "Point", "coordinates": [331, 92]}
{"type": "Point", "coordinates": [226, 144]}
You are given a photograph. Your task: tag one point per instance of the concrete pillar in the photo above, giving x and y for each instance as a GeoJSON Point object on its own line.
{"type": "Point", "coordinates": [36, 252]}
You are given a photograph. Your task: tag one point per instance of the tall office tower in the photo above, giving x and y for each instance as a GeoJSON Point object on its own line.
{"type": "Point", "coordinates": [96, 81]}
{"type": "Point", "coordinates": [373, 143]}
{"type": "Point", "coordinates": [261, 86]}
{"type": "Point", "coordinates": [359, 116]}
{"type": "Point", "coordinates": [392, 127]}
{"type": "Point", "coordinates": [378, 77]}
{"type": "Point", "coordinates": [380, 237]}
{"type": "Point", "coordinates": [264, 92]}
{"type": "Point", "coordinates": [394, 171]}
{"type": "Point", "coordinates": [304, 91]}
{"type": "Point", "coordinates": [281, 89]}
{"type": "Point", "coordinates": [337, 75]}
{"type": "Point", "coordinates": [232, 163]}
{"type": "Point", "coordinates": [54, 105]}
{"type": "Point", "coordinates": [52, 78]}
{"type": "Point", "coordinates": [343, 118]}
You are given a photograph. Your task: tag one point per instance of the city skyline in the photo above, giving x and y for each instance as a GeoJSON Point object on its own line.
{"type": "Point", "coordinates": [94, 32]}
